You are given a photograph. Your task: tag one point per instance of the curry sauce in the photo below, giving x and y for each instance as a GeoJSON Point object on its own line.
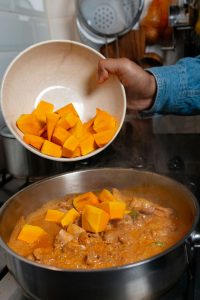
{"type": "Point", "coordinates": [144, 230]}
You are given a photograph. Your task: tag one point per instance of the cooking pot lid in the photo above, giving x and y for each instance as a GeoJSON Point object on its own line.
{"type": "Point", "coordinates": [5, 132]}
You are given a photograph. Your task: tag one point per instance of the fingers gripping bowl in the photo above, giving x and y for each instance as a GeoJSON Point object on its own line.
{"type": "Point", "coordinates": [59, 72]}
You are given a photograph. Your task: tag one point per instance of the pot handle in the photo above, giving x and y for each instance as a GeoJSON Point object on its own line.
{"type": "Point", "coordinates": [195, 239]}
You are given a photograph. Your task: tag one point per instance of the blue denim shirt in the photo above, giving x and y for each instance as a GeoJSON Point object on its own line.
{"type": "Point", "coordinates": [178, 88]}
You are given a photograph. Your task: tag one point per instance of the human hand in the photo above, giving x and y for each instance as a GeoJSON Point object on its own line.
{"type": "Point", "coordinates": [140, 85]}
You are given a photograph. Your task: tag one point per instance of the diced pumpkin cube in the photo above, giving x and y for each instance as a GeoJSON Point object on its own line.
{"type": "Point", "coordinates": [106, 195]}
{"type": "Point", "coordinates": [52, 119]}
{"type": "Point", "coordinates": [94, 219]}
{"type": "Point", "coordinates": [42, 108]}
{"type": "Point", "coordinates": [69, 108]}
{"type": "Point", "coordinates": [87, 198]}
{"type": "Point", "coordinates": [69, 217]}
{"type": "Point", "coordinates": [103, 137]}
{"type": "Point", "coordinates": [54, 215]}
{"type": "Point", "coordinates": [77, 130]}
{"type": "Point", "coordinates": [103, 121]}
{"type": "Point", "coordinates": [51, 149]}
{"type": "Point", "coordinates": [68, 121]}
{"type": "Point", "coordinates": [115, 209]}
{"type": "Point", "coordinates": [60, 135]}
{"type": "Point", "coordinates": [70, 146]}
{"type": "Point", "coordinates": [28, 123]}
{"type": "Point", "coordinates": [33, 140]}
{"type": "Point", "coordinates": [76, 152]}
{"type": "Point", "coordinates": [88, 126]}
{"type": "Point", "coordinates": [87, 144]}
{"type": "Point", "coordinates": [32, 234]}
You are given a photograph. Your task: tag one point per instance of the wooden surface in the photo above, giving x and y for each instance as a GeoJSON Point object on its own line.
{"type": "Point", "coordinates": [131, 45]}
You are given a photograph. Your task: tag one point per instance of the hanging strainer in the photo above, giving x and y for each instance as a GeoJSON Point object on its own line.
{"type": "Point", "coordinates": [109, 19]}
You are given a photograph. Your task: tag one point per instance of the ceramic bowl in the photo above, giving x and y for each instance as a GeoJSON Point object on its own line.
{"type": "Point", "coordinates": [60, 72]}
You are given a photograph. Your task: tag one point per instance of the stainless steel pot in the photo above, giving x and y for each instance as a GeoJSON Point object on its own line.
{"type": "Point", "coordinates": [143, 280]}
{"type": "Point", "coordinates": [22, 163]}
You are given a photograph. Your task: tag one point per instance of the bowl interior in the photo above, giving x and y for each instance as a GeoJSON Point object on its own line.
{"type": "Point", "coordinates": [59, 72]}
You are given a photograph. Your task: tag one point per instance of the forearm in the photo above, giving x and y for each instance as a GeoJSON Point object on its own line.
{"type": "Point", "coordinates": [178, 88]}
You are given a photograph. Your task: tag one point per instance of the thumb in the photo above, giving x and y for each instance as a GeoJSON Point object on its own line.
{"type": "Point", "coordinates": [106, 67]}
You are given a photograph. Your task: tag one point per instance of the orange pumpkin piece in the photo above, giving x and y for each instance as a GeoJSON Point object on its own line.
{"type": "Point", "coordinates": [115, 209]}
{"type": "Point", "coordinates": [51, 120]}
{"type": "Point", "coordinates": [77, 130]}
{"type": "Point", "coordinates": [76, 152]}
{"type": "Point", "coordinates": [60, 135]}
{"type": "Point", "coordinates": [106, 195]}
{"type": "Point", "coordinates": [70, 146]}
{"type": "Point", "coordinates": [69, 108]}
{"type": "Point", "coordinates": [87, 144]}
{"type": "Point", "coordinates": [51, 149]}
{"type": "Point", "coordinates": [94, 219]}
{"type": "Point", "coordinates": [103, 121]}
{"type": "Point", "coordinates": [32, 234]}
{"type": "Point", "coordinates": [102, 138]}
{"type": "Point", "coordinates": [87, 198]}
{"type": "Point", "coordinates": [69, 217]}
{"type": "Point", "coordinates": [28, 123]}
{"type": "Point", "coordinates": [88, 126]}
{"type": "Point", "coordinates": [33, 140]}
{"type": "Point", "coordinates": [42, 108]}
{"type": "Point", "coordinates": [68, 120]}
{"type": "Point", "coordinates": [54, 215]}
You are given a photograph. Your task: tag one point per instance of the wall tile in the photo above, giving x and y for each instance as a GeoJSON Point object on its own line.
{"type": "Point", "coordinates": [60, 8]}
{"type": "Point", "coordinates": [6, 5]}
{"type": "Point", "coordinates": [62, 28]}
{"type": "Point", "coordinates": [20, 31]}
{"type": "Point", "coordinates": [29, 7]}
{"type": "Point", "coordinates": [15, 31]}
{"type": "Point", "coordinates": [41, 29]}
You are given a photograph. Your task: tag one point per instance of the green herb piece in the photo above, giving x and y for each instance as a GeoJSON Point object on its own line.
{"type": "Point", "coordinates": [160, 244]}
{"type": "Point", "coordinates": [134, 214]}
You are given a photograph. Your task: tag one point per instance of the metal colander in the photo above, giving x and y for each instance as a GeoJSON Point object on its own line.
{"type": "Point", "coordinates": [109, 19]}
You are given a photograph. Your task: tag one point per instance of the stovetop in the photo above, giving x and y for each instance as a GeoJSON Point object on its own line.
{"type": "Point", "coordinates": [176, 156]}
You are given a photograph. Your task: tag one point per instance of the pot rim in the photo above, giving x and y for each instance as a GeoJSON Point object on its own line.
{"type": "Point", "coordinates": [111, 269]}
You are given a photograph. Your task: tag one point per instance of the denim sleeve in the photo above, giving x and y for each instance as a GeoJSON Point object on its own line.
{"type": "Point", "coordinates": [178, 88]}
